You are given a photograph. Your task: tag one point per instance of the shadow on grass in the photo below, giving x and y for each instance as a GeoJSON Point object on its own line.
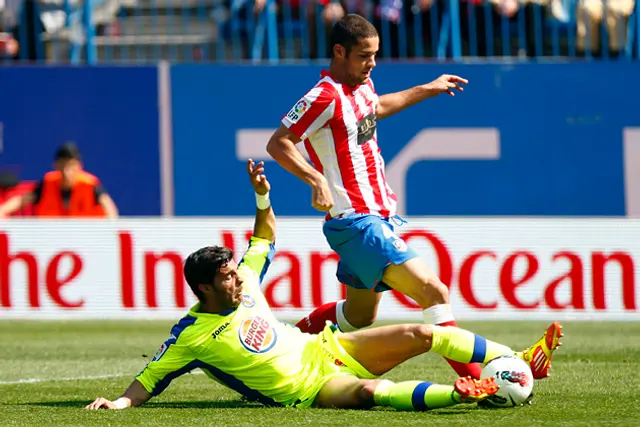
{"type": "Point", "coordinates": [230, 404]}
{"type": "Point", "coordinates": [226, 404]}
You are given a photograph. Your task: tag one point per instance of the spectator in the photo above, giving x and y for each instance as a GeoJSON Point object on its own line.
{"type": "Point", "coordinates": [332, 11]}
{"type": "Point", "coordinates": [8, 44]}
{"type": "Point", "coordinates": [22, 19]}
{"type": "Point", "coordinates": [10, 186]}
{"type": "Point", "coordinates": [590, 16]}
{"type": "Point", "coordinates": [503, 12]}
{"type": "Point", "coordinates": [68, 191]}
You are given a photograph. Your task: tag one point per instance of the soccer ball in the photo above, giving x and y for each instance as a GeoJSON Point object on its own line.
{"type": "Point", "coordinates": [514, 378]}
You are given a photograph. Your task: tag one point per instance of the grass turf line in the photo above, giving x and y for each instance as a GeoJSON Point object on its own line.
{"type": "Point", "coordinates": [594, 382]}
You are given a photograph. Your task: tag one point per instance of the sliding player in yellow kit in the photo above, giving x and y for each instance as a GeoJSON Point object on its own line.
{"type": "Point", "coordinates": [233, 336]}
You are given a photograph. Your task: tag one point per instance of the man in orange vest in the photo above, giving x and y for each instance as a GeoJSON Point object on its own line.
{"type": "Point", "coordinates": [68, 191]}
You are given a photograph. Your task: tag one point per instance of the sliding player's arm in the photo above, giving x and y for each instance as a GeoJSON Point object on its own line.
{"type": "Point", "coordinates": [264, 226]}
{"type": "Point", "coordinates": [261, 246]}
{"type": "Point", "coordinates": [171, 361]}
{"type": "Point", "coordinates": [135, 395]}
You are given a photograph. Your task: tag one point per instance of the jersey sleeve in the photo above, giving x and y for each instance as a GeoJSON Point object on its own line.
{"type": "Point", "coordinates": [312, 112]}
{"type": "Point", "coordinates": [170, 361]}
{"type": "Point", "coordinates": [258, 257]}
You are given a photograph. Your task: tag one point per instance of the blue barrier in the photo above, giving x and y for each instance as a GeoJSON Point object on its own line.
{"type": "Point", "coordinates": [559, 138]}
{"type": "Point", "coordinates": [110, 112]}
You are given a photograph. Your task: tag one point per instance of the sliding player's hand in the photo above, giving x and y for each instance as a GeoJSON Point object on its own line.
{"type": "Point", "coordinates": [258, 179]}
{"type": "Point", "coordinates": [101, 403]}
{"type": "Point", "coordinates": [447, 83]}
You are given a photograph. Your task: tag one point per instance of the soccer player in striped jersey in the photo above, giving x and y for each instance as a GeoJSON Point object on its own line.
{"type": "Point", "coordinates": [337, 119]}
{"type": "Point", "coordinates": [233, 336]}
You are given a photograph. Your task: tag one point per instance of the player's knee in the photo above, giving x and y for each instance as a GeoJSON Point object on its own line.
{"type": "Point", "coordinates": [366, 390]}
{"type": "Point", "coordinates": [440, 290]}
{"type": "Point", "coordinates": [435, 292]}
{"type": "Point", "coordinates": [422, 334]}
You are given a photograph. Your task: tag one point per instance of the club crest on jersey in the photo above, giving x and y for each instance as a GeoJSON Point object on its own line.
{"type": "Point", "coordinates": [298, 110]}
{"type": "Point", "coordinates": [257, 335]}
{"type": "Point", "coordinates": [248, 301]}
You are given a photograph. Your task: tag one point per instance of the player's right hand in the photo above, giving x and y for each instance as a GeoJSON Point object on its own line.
{"type": "Point", "coordinates": [447, 83]}
{"type": "Point", "coordinates": [99, 403]}
{"type": "Point", "coordinates": [321, 198]}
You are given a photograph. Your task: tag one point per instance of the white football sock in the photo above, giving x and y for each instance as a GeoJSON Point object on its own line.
{"type": "Point", "coordinates": [343, 323]}
{"type": "Point", "coordinates": [438, 314]}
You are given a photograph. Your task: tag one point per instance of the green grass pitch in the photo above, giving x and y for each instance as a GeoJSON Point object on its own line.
{"type": "Point", "coordinates": [50, 370]}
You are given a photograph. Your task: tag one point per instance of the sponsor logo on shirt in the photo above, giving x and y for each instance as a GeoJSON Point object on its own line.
{"type": "Point", "coordinates": [248, 301]}
{"type": "Point", "coordinates": [298, 110]}
{"type": "Point", "coordinates": [219, 330]}
{"type": "Point", "coordinates": [366, 128]}
{"type": "Point", "coordinates": [257, 335]}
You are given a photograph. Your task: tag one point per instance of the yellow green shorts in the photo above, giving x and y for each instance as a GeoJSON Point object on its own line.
{"type": "Point", "coordinates": [327, 359]}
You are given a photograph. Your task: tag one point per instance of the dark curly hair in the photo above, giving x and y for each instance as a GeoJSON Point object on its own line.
{"type": "Point", "coordinates": [202, 266]}
{"type": "Point", "coordinates": [349, 30]}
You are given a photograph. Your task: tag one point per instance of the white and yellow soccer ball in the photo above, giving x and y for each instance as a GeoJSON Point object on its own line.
{"type": "Point", "coordinates": [514, 378]}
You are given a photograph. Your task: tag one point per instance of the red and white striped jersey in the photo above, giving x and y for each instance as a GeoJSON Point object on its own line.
{"type": "Point", "coordinates": [338, 126]}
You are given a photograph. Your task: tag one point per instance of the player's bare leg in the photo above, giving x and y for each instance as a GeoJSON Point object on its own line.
{"type": "Point", "coordinates": [416, 280]}
{"type": "Point", "coordinates": [348, 392]}
{"type": "Point", "coordinates": [359, 309]}
{"type": "Point", "coordinates": [381, 349]}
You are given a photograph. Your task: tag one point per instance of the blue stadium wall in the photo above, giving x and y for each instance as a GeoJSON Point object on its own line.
{"type": "Point", "coordinates": [560, 134]}
{"type": "Point", "coordinates": [110, 112]}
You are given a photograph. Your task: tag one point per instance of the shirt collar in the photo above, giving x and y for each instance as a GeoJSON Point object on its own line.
{"type": "Point", "coordinates": [346, 87]}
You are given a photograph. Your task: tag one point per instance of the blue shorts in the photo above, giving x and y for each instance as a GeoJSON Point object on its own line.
{"type": "Point", "coordinates": [367, 244]}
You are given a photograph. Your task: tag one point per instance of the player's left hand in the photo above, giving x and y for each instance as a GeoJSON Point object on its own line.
{"type": "Point", "coordinates": [447, 83]}
{"type": "Point", "coordinates": [258, 179]}
{"type": "Point", "coordinates": [99, 403]}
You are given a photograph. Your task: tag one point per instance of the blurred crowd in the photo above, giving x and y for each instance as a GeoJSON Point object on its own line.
{"type": "Point", "coordinates": [496, 27]}
{"type": "Point", "coordinates": [410, 28]}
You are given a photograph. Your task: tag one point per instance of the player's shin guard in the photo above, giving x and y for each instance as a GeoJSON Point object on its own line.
{"type": "Point", "coordinates": [415, 395]}
{"type": "Point", "coordinates": [441, 315]}
{"type": "Point", "coordinates": [464, 346]}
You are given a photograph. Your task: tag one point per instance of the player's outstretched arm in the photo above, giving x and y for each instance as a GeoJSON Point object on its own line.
{"type": "Point", "coordinates": [135, 395]}
{"type": "Point", "coordinates": [393, 103]}
{"type": "Point", "coordinates": [265, 223]}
